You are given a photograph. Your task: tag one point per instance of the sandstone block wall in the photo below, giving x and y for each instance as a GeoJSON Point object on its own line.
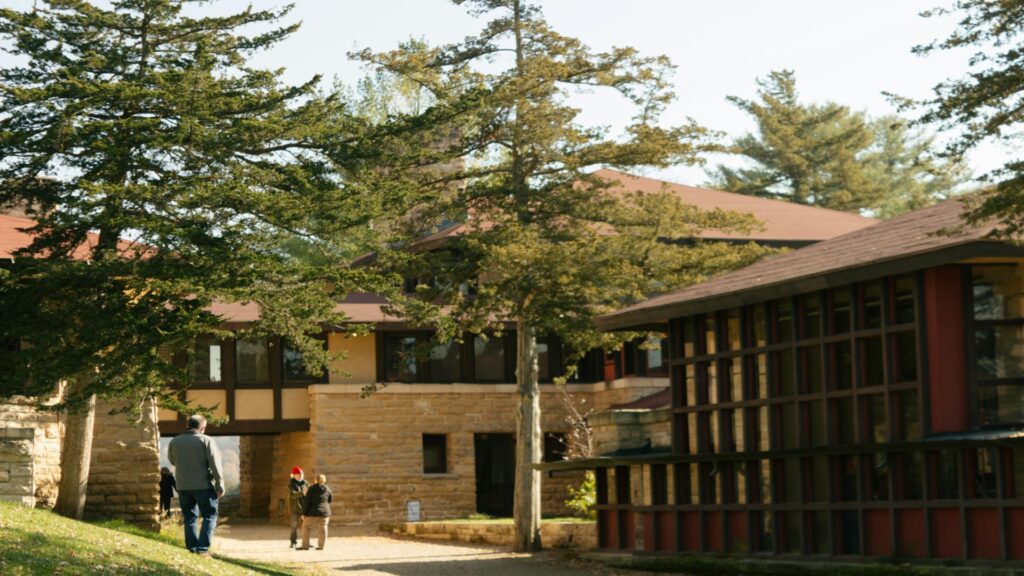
{"type": "Point", "coordinates": [295, 449]}
{"type": "Point", "coordinates": [622, 429]}
{"type": "Point", "coordinates": [46, 428]}
{"type": "Point", "coordinates": [17, 451]}
{"type": "Point", "coordinates": [124, 474]}
{"type": "Point", "coordinates": [256, 470]}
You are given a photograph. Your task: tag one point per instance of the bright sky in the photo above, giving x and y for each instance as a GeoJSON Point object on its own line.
{"type": "Point", "coordinates": [849, 52]}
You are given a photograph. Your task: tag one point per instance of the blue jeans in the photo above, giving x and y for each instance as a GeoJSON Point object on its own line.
{"type": "Point", "coordinates": [193, 504]}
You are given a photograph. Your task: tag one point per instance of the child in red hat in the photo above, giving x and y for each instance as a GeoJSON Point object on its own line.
{"type": "Point", "coordinates": [296, 491]}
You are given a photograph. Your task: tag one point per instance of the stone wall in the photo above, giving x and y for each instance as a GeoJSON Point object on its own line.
{"type": "Point", "coordinates": [552, 534]}
{"type": "Point", "coordinates": [46, 426]}
{"type": "Point", "coordinates": [256, 470]}
{"type": "Point", "coordinates": [295, 449]}
{"type": "Point", "coordinates": [623, 429]}
{"type": "Point", "coordinates": [124, 474]}
{"type": "Point", "coordinates": [17, 482]}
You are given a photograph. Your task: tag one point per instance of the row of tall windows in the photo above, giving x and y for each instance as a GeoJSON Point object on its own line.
{"type": "Point", "coordinates": [250, 362]}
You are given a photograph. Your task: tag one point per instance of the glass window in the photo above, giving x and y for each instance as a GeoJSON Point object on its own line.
{"type": "Point", "coordinates": [710, 336]}
{"type": "Point", "coordinates": [785, 385]}
{"type": "Point", "coordinates": [810, 369]}
{"type": "Point", "coordinates": [998, 292]}
{"type": "Point", "coordinates": [691, 385]}
{"type": "Point", "coordinates": [294, 366]}
{"type": "Point", "coordinates": [843, 420]}
{"type": "Point", "coordinates": [399, 358]}
{"type": "Point", "coordinates": [821, 532]}
{"type": "Point", "coordinates": [872, 365]}
{"type": "Point", "coordinates": [984, 480]}
{"type": "Point", "coordinates": [784, 320]}
{"type": "Point", "coordinates": [907, 424]}
{"type": "Point", "coordinates": [762, 376]}
{"type": "Point", "coordinates": [435, 453]}
{"type": "Point", "coordinates": [841, 311]}
{"type": "Point", "coordinates": [840, 358]}
{"type": "Point", "coordinates": [489, 358]}
{"type": "Point", "coordinates": [947, 479]}
{"type": "Point", "coordinates": [816, 419]}
{"type": "Point", "coordinates": [791, 521]}
{"type": "Point", "coordinates": [874, 406]}
{"type": "Point", "coordinates": [871, 315]}
{"type": "Point", "coordinates": [1003, 404]}
{"type": "Point", "coordinates": [792, 480]}
{"type": "Point", "coordinates": [905, 356]}
{"type": "Point", "coordinates": [903, 307]}
{"type": "Point", "coordinates": [821, 491]}
{"type": "Point", "coordinates": [657, 350]}
{"type": "Point", "coordinates": [732, 329]}
{"type": "Point", "coordinates": [846, 469]}
{"type": "Point", "coordinates": [764, 526]}
{"type": "Point", "coordinates": [733, 370]}
{"type": "Point", "coordinates": [543, 360]}
{"type": "Point", "coordinates": [790, 426]}
{"type": "Point", "coordinates": [710, 383]}
{"type": "Point", "coordinates": [1000, 350]}
{"type": "Point", "coordinates": [252, 361]}
{"type": "Point", "coordinates": [812, 316]}
{"type": "Point", "coordinates": [689, 338]}
{"type": "Point", "coordinates": [446, 361]}
{"type": "Point", "coordinates": [554, 446]}
{"type": "Point", "coordinates": [759, 328]}
{"type": "Point", "coordinates": [206, 362]}
{"type": "Point", "coordinates": [911, 468]}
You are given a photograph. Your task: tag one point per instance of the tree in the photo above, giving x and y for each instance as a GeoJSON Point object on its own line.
{"type": "Point", "coordinates": [903, 165]}
{"type": "Point", "coordinates": [544, 241]}
{"type": "Point", "coordinates": [164, 174]}
{"type": "Point", "coordinates": [828, 156]}
{"type": "Point", "coordinates": [987, 104]}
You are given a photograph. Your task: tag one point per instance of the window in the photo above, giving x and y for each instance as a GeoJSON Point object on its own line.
{"type": "Point", "coordinates": [998, 308]}
{"type": "Point", "coordinates": [252, 361]}
{"type": "Point", "coordinates": [555, 446]}
{"type": "Point", "coordinates": [657, 349]}
{"type": "Point", "coordinates": [399, 358]}
{"type": "Point", "coordinates": [206, 364]}
{"type": "Point", "coordinates": [841, 311]}
{"type": "Point", "coordinates": [489, 358]}
{"type": "Point", "coordinates": [445, 362]}
{"type": "Point", "coordinates": [435, 453]}
{"type": "Point", "coordinates": [294, 366]}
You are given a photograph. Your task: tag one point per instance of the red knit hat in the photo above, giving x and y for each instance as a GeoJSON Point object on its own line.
{"type": "Point", "coordinates": [296, 470]}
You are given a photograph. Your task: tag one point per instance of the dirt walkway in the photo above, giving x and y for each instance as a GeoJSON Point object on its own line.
{"type": "Point", "coordinates": [352, 553]}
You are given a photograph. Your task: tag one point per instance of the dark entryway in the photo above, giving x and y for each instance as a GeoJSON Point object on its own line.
{"type": "Point", "coordinates": [495, 473]}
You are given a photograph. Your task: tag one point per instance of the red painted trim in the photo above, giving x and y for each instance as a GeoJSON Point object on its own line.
{"type": "Point", "coordinates": [947, 362]}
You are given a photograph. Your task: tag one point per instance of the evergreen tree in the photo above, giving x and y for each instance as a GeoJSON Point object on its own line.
{"type": "Point", "coordinates": [828, 156]}
{"type": "Point", "coordinates": [545, 241]}
{"type": "Point", "coordinates": [987, 104]}
{"type": "Point", "coordinates": [164, 174]}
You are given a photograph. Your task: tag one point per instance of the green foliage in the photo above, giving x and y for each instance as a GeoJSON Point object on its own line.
{"type": "Point", "coordinates": [583, 498]}
{"type": "Point", "coordinates": [143, 124]}
{"type": "Point", "coordinates": [987, 103]}
{"type": "Point", "coordinates": [829, 156]}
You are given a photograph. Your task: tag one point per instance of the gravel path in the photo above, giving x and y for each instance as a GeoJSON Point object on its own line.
{"type": "Point", "coordinates": [363, 554]}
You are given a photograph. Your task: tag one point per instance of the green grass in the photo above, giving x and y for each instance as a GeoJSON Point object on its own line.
{"type": "Point", "coordinates": [39, 542]}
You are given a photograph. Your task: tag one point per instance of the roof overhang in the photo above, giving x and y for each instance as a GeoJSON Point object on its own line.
{"type": "Point", "coordinates": [652, 318]}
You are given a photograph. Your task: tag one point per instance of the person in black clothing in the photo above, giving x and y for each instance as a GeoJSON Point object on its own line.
{"type": "Point", "coordinates": [316, 512]}
{"type": "Point", "coordinates": [167, 486]}
{"type": "Point", "coordinates": [297, 486]}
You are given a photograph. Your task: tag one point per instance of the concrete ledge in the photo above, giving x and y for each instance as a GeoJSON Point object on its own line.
{"type": "Point", "coordinates": [711, 565]}
{"type": "Point", "coordinates": [553, 534]}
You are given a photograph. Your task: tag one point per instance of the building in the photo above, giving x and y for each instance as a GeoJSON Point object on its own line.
{"type": "Point", "coordinates": [858, 398]}
{"type": "Point", "coordinates": [436, 435]}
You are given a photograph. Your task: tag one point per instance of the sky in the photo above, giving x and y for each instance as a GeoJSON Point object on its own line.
{"type": "Point", "coordinates": [847, 52]}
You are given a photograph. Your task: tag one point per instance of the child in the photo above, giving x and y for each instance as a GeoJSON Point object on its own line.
{"type": "Point", "coordinates": [316, 512]}
{"type": "Point", "coordinates": [167, 487]}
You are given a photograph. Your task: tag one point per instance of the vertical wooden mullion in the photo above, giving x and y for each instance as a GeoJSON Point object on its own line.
{"type": "Point", "coordinates": [227, 366]}
{"type": "Point", "coordinates": [962, 473]}
{"type": "Point", "coordinates": [1000, 466]}
{"type": "Point", "coordinates": [275, 356]}
{"type": "Point", "coordinates": [923, 374]}
{"type": "Point", "coordinates": [382, 374]}
{"type": "Point", "coordinates": [969, 332]}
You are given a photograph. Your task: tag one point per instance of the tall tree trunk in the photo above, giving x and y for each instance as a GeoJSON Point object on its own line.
{"type": "Point", "coordinates": [74, 460]}
{"type": "Point", "coordinates": [526, 509]}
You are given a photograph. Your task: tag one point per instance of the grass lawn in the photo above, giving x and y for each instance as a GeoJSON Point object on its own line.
{"type": "Point", "coordinates": [39, 542]}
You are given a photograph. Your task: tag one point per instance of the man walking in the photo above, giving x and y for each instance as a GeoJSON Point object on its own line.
{"type": "Point", "coordinates": [197, 469]}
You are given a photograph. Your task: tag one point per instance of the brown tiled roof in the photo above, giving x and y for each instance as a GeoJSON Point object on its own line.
{"type": "Point", "coordinates": [904, 243]}
{"type": "Point", "coordinates": [781, 221]}
{"type": "Point", "coordinates": [358, 308]}
{"type": "Point", "coordinates": [13, 237]}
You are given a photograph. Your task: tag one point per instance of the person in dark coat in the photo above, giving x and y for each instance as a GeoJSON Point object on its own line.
{"type": "Point", "coordinates": [297, 486]}
{"type": "Point", "coordinates": [316, 512]}
{"type": "Point", "coordinates": [167, 486]}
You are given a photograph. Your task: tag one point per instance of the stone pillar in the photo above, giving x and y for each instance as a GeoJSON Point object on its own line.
{"type": "Point", "coordinates": [256, 463]}
{"type": "Point", "coordinates": [17, 480]}
{"type": "Point", "coordinates": [124, 475]}
{"type": "Point", "coordinates": [20, 413]}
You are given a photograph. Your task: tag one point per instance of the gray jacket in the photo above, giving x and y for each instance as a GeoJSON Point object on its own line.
{"type": "Point", "coordinates": [196, 461]}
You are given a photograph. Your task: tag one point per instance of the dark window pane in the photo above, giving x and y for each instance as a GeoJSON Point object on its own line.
{"type": "Point", "coordinates": [846, 470]}
{"type": "Point", "coordinates": [821, 532]}
{"type": "Point", "coordinates": [997, 293]}
{"type": "Point", "coordinates": [206, 362]}
{"type": "Point", "coordinates": [812, 316]}
{"type": "Point", "coordinates": [879, 476]}
{"type": "Point", "coordinates": [792, 522]}
{"type": "Point", "coordinates": [1001, 404]}
{"type": "Point", "coordinates": [399, 358]}
{"type": "Point", "coordinates": [908, 415]}
{"type": "Point", "coordinates": [435, 453]}
{"type": "Point", "coordinates": [872, 364]}
{"type": "Point", "coordinates": [999, 351]}
{"type": "Point", "coordinates": [764, 527]}
{"type": "Point", "coordinates": [872, 306]}
{"type": "Point", "coordinates": [810, 369]}
{"type": "Point", "coordinates": [294, 367]}
{"type": "Point", "coordinates": [874, 406]}
{"type": "Point", "coordinates": [659, 484]}
{"type": "Point", "coordinates": [489, 358]}
{"type": "Point", "coordinates": [904, 311]}
{"type": "Point", "coordinates": [948, 475]}
{"type": "Point", "coordinates": [841, 310]}
{"type": "Point", "coordinates": [790, 426]}
{"type": "Point", "coordinates": [759, 328]}
{"type": "Point", "coordinates": [784, 375]}
{"type": "Point", "coordinates": [252, 361]}
{"type": "Point", "coordinates": [840, 359]}
{"type": "Point", "coordinates": [816, 416]}
{"type": "Point", "coordinates": [554, 446]}
{"type": "Point", "coordinates": [843, 420]}
{"type": "Point", "coordinates": [1017, 484]}
{"type": "Point", "coordinates": [543, 361]}
{"type": "Point", "coordinates": [821, 484]}
{"type": "Point", "coordinates": [849, 531]}
{"type": "Point", "coordinates": [784, 323]}
{"type": "Point", "coordinates": [446, 363]}
{"type": "Point", "coordinates": [656, 353]}
{"type": "Point", "coordinates": [905, 355]}
{"type": "Point", "coordinates": [910, 471]}
{"type": "Point", "coordinates": [984, 477]}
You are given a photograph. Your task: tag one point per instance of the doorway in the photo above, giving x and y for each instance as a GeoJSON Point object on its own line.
{"type": "Point", "coordinates": [495, 473]}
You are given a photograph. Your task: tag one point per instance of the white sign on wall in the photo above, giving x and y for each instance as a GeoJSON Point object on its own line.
{"type": "Point", "coordinates": [413, 510]}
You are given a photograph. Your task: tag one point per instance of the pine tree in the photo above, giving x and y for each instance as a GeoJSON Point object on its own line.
{"type": "Point", "coordinates": [828, 156]}
{"type": "Point", "coordinates": [985, 105]}
{"type": "Point", "coordinates": [545, 241]}
{"type": "Point", "coordinates": [164, 173]}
